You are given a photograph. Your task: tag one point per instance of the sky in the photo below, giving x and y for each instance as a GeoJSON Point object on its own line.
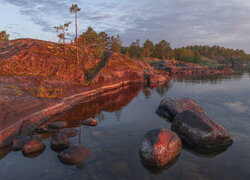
{"type": "Point", "coordinates": [180, 22]}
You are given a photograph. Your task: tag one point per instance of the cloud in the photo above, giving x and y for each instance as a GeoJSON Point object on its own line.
{"type": "Point", "coordinates": [181, 22]}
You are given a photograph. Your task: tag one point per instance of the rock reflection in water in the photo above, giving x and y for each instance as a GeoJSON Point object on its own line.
{"type": "Point", "coordinates": [160, 170]}
{"type": "Point", "coordinates": [112, 101]}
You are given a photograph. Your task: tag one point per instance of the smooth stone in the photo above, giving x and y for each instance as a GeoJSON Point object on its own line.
{"type": "Point", "coordinates": [74, 155]}
{"type": "Point", "coordinates": [200, 130]}
{"type": "Point", "coordinates": [57, 124]}
{"type": "Point", "coordinates": [89, 122]}
{"type": "Point", "coordinates": [170, 107]}
{"type": "Point", "coordinates": [19, 142]}
{"type": "Point", "coordinates": [69, 132]}
{"type": "Point", "coordinates": [33, 146]}
{"type": "Point", "coordinates": [59, 141]}
{"type": "Point", "coordinates": [159, 147]}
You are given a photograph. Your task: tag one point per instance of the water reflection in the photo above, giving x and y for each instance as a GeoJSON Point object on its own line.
{"type": "Point", "coordinates": [159, 170]}
{"type": "Point", "coordinates": [204, 152]}
{"type": "Point", "coordinates": [110, 102]}
{"type": "Point", "coordinates": [125, 115]}
{"type": "Point", "coordinates": [212, 79]}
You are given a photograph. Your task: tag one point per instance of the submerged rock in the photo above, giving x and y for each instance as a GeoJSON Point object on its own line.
{"type": "Point", "coordinates": [33, 146]}
{"type": "Point", "coordinates": [59, 141]}
{"type": "Point", "coordinates": [57, 124]}
{"type": "Point", "coordinates": [159, 147]}
{"type": "Point", "coordinates": [19, 142]}
{"type": "Point", "coordinates": [74, 155]}
{"type": "Point", "coordinates": [200, 130]}
{"type": "Point", "coordinates": [89, 122]}
{"type": "Point", "coordinates": [170, 107]}
{"type": "Point", "coordinates": [69, 132]}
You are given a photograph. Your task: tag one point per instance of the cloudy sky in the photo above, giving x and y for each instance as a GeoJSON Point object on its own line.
{"type": "Point", "coordinates": [180, 22]}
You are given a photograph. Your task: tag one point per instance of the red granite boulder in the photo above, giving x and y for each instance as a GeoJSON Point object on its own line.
{"type": "Point", "coordinates": [33, 146]}
{"type": "Point", "coordinates": [159, 147]}
{"type": "Point", "coordinates": [170, 107]}
{"type": "Point", "coordinates": [200, 130]}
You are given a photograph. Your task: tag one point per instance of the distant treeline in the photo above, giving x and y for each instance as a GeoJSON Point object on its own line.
{"type": "Point", "coordinates": [101, 42]}
{"type": "Point", "coordinates": [163, 50]}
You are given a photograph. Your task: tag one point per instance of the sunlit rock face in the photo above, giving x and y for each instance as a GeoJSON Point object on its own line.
{"type": "Point", "coordinates": [159, 147]}
{"type": "Point", "coordinates": [200, 130]}
{"type": "Point", "coordinates": [170, 107]}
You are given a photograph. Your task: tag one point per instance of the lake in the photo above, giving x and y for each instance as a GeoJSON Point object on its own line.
{"type": "Point", "coordinates": [125, 116]}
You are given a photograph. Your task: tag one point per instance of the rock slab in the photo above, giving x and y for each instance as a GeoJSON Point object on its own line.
{"type": "Point", "coordinates": [159, 147]}
{"type": "Point", "coordinates": [170, 107]}
{"type": "Point", "coordinates": [74, 155]}
{"type": "Point", "coordinates": [200, 130]}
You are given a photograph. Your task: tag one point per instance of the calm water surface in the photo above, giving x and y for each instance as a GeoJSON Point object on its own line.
{"type": "Point", "coordinates": [124, 117]}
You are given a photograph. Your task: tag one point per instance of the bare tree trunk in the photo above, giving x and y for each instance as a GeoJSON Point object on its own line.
{"type": "Point", "coordinates": [64, 42]}
{"type": "Point", "coordinates": [76, 40]}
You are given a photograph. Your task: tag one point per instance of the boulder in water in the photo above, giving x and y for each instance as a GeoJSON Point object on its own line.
{"type": "Point", "coordinates": [159, 147]}
{"type": "Point", "coordinates": [200, 130]}
{"type": "Point", "coordinates": [170, 107]}
{"type": "Point", "coordinates": [33, 146]}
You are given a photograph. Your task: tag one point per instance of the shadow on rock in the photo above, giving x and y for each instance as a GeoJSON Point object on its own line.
{"type": "Point", "coordinates": [159, 170]}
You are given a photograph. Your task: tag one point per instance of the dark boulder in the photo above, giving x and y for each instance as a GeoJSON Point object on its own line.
{"type": "Point", "coordinates": [200, 130]}
{"type": "Point", "coordinates": [33, 146]}
{"type": "Point", "coordinates": [57, 124]}
{"type": "Point", "coordinates": [59, 141]}
{"type": "Point", "coordinates": [170, 107]}
{"type": "Point", "coordinates": [69, 132]}
{"type": "Point", "coordinates": [74, 155]}
{"type": "Point", "coordinates": [159, 147]}
{"type": "Point", "coordinates": [89, 122]}
{"type": "Point", "coordinates": [19, 142]}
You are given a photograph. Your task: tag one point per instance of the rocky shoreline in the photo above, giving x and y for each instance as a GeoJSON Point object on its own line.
{"type": "Point", "coordinates": [29, 100]}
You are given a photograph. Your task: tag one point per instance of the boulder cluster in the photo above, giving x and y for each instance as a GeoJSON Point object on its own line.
{"type": "Point", "coordinates": [33, 146]}
{"type": "Point", "coordinates": [189, 124]}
